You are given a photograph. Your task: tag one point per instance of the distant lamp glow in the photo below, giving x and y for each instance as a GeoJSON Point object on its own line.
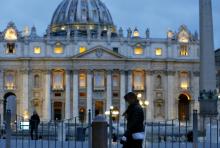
{"type": "Point", "coordinates": [26, 115]}
{"type": "Point", "coordinates": [111, 107]}
{"type": "Point", "coordinates": [63, 28]}
{"type": "Point", "coordinates": [184, 85]}
{"type": "Point", "coordinates": [170, 34]}
{"type": "Point", "coordinates": [136, 33]}
{"type": "Point", "coordinates": [139, 95]}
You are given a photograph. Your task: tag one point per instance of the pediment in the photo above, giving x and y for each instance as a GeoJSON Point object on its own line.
{"type": "Point", "coordinates": [99, 53]}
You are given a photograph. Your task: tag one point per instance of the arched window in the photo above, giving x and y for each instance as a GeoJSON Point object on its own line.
{"type": "Point", "coordinates": [36, 81]}
{"type": "Point", "coordinates": [138, 50]}
{"type": "Point", "coordinates": [58, 49]}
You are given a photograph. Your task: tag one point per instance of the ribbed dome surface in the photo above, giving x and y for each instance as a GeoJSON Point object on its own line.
{"type": "Point", "coordinates": [74, 12]}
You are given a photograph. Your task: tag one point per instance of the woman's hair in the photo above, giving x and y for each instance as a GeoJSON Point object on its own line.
{"type": "Point", "coordinates": [130, 95]}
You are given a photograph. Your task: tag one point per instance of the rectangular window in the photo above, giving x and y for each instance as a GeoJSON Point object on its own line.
{"type": "Point", "coordinates": [58, 81]}
{"type": "Point", "coordinates": [184, 50]}
{"type": "Point", "coordinates": [58, 49]}
{"type": "Point", "coordinates": [10, 48]}
{"type": "Point", "coordinates": [82, 80]}
{"type": "Point", "coordinates": [37, 50]}
{"type": "Point", "coordinates": [158, 51]}
{"type": "Point", "coordinates": [115, 82]}
{"type": "Point", "coordinates": [115, 49]}
{"type": "Point", "coordinates": [138, 81]}
{"type": "Point", "coordinates": [99, 80]}
{"type": "Point", "coordinates": [184, 80]}
{"type": "Point", "coordinates": [138, 50]}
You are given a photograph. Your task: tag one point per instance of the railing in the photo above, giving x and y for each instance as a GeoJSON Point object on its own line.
{"type": "Point", "coordinates": [201, 132]}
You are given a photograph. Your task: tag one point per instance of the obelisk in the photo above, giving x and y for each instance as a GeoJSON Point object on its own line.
{"type": "Point", "coordinates": [207, 57]}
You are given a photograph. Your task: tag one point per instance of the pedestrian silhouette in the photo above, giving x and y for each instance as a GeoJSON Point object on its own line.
{"type": "Point", "coordinates": [34, 122]}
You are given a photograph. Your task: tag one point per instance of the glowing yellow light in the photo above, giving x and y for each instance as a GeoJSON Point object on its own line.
{"type": "Point", "coordinates": [37, 50]}
{"type": "Point", "coordinates": [184, 85]}
{"type": "Point", "coordinates": [139, 95]}
{"type": "Point", "coordinates": [138, 50]}
{"type": "Point", "coordinates": [58, 49]}
{"type": "Point", "coordinates": [11, 34]}
{"type": "Point", "coordinates": [136, 34]}
{"type": "Point", "coordinates": [26, 115]}
{"type": "Point", "coordinates": [10, 86]}
{"type": "Point", "coordinates": [184, 50]}
{"type": "Point", "coordinates": [158, 51]}
{"type": "Point", "coordinates": [82, 49]}
{"type": "Point", "coordinates": [146, 102]}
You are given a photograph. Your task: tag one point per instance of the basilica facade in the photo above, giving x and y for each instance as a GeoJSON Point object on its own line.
{"type": "Point", "coordinates": [83, 62]}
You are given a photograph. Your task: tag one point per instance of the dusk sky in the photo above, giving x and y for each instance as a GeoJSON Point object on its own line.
{"type": "Point", "coordinates": [158, 15]}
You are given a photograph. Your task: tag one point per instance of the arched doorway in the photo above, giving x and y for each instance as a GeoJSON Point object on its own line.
{"type": "Point", "coordinates": [10, 104]}
{"type": "Point", "coordinates": [184, 107]}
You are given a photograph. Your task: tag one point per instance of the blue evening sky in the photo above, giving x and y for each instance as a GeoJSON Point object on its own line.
{"type": "Point", "coordinates": [158, 15]}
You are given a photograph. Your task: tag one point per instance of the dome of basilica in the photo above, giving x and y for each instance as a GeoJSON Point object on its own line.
{"type": "Point", "coordinates": [81, 14]}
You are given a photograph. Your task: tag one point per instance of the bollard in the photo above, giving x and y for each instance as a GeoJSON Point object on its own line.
{"type": "Point", "coordinates": [99, 132]}
{"type": "Point", "coordinates": [195, 129]}
{"type": "Point", "coordinates": [90, 130]}
{"type": "Point", "coordinates": [8, 129]}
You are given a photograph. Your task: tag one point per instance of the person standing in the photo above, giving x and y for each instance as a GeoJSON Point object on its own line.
{"type": "Point", "coordinates": [34, 122]}
{"type": "Point", "coordinates": [134, 134]}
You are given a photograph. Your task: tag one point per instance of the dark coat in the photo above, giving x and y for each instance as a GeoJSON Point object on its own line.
{"type": "Point", "coordinates": [34, 121]}
{"type": "Point", "coordinates": [135, 118]}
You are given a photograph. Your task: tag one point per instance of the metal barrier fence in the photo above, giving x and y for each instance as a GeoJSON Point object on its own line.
{"type": "Point", "coordinates": [201, 132]}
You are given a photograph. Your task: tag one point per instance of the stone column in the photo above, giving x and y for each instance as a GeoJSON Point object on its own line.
{"type": "Point", "coordinates": [109, 89]}
{"type": "Point", "coordinates": [150, 96]}
{"type": "Point", "coordinates": [89, 90]}
{"type": "Point", "coordinates": [207, 58]}
{"type": "Point", "coordinates": [67, 101]}
{"type": "Point", "coordinates": [75, 93]}
{"type": "Point", "coordinates": [25, 93]}
{"type": "Point", "coordinates": [130, 81]}
{"type": "Point", "coordinates": [1, 95]}
{"type": "Point", "coordinates": [170, 95]}
{"type": "Point", "coordinates": [122, 92]}
{"type": "Point", "coordinates": [47, 100]}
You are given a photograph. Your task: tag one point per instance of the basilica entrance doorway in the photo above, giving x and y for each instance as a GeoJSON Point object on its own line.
{"type": "Point", "coordinates": [57, 111]}
{"type": "Point", "coordinates": [184, 107]}
{"type": "Point", "coordinates": [99, 107]}
{"type": "Point", "coordinates": [10, 103]}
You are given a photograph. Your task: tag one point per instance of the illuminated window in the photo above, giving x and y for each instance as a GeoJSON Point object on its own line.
{"type": "Point", "coordinates": [58, 81]}
{"type": "Point", "coordinates": [37, 50]}
{"type": "Point", "coordinates": [136, 33]}
{"type": "Point", "coordinates": [183, 36]}
{"type": "Point", "coordinates": [138, 50]}
{"type": "Point", "coordinates": [138, 81]}
{"type": "Point", "coordinates": [10, 81]}
{"type": "Point", "coordinates": [10, 48]}
{"type": "Point", "coordinates": [184, 80]}
{"type": "Point", "coordinates": [58, 49]}
{"type": "Point", "coordinates": [11, 34]}
{"type": "Point", "coordinates": [184, 50]}
{"type": "Point", "coordinates": [82, 80]}
{"type": "Point", "coordinates": [82, 49]}
{"type": "Point", "coordinates": [158, 51]}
